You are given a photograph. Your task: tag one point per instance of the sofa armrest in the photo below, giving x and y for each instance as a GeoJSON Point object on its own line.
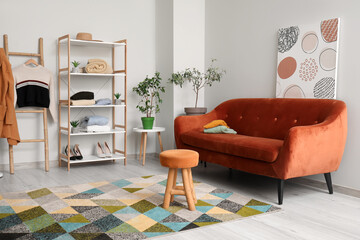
{"type": "Point", "coordinates": [314, 149]}
{"type": "Point", "coordinates": [184, 124]}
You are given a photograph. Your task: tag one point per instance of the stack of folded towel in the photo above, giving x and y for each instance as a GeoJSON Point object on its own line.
{"type": "Point", "coordinates": [103, 101]}
{"type": "Point", "coordinates": [218, 126]}
{"type": "Point", "coordinates": [98, 66]}
{"type": "Point", "coordinates": [82, 99]}
{"type": "Point", "coordinates": [95, 124]}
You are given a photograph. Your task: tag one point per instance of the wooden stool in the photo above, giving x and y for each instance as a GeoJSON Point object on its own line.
{"type": "Point", "coordinates": [185, 160]}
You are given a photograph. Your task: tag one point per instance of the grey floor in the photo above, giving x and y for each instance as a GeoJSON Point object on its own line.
{"type": "Point", "coordinates": [307, 212]}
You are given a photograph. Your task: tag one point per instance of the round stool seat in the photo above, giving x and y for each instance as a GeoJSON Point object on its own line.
{"type": "Point", "coordinates": [179, 158]}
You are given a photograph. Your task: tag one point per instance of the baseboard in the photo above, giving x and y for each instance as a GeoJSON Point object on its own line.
{"type": "Point", "coordinates": [54, 163]}
{"type": "Point", "coordinates": [322, 185]}
{"type": "Point", "coordinates": [303, 181]}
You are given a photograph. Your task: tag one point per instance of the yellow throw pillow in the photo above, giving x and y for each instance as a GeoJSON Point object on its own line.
{"type": "Point", "coordinates": [216, 123]}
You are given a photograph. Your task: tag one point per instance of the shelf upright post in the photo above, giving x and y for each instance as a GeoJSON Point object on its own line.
{"type": "Point", "coordinates": [68, 101]}
{"type": "Point", "coordinates": [125, 93]}
{"type": "Point", "coordinates": [113, 101]}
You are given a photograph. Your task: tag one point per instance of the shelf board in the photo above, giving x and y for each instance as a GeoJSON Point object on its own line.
{"type": "Point", "coordinates": [95, 74]}
{"type": "Point", "coordinates": [93, 158]}
{"type": "Point", "coordinates": [93, 133]}
{"type": "Point", "coordinates": [93, 106]}
{"type": "Point", "coordinates": [76, 42]}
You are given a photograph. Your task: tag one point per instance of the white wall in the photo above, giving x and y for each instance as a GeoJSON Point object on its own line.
{"type": "Point", "coordinates": [189, 49]}
{"type": "Point", "coordinates": [164, 64]}
{"type": "Point", "coordinates": [242, 36]}
{"type": "Point", "coordinates": [111, 20]}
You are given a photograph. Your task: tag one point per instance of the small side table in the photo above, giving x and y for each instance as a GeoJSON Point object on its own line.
{"type": "Point", "coordinates": [144, 133]}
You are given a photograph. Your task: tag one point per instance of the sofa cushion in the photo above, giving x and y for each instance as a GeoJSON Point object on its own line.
{"type": "Point", "coordinates": [262, 149]}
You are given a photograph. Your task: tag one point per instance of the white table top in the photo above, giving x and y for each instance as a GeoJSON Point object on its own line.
{"type": "Point", "coordinates": [155, 129]}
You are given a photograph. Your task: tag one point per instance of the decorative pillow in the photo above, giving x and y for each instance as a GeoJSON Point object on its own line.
{"type": "Point", "coordinates": [216, 123]}
{"type": "Point", "coordinates": [220, 129]}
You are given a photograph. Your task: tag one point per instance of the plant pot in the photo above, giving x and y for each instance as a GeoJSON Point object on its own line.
{"type": "Point", "coordinates": [75, 70]}
{"type": "Point", "coordinates": [75, 130]}
{"type": "Point", "coordinates": [195, 111]}
{"type": "Point", "coordinates": [117, 101]}
{"type": "Point", "coordinates": [147, 122]}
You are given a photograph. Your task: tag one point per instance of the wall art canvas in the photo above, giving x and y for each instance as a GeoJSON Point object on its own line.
{"type": "Point", "coordinates": [307, 60]}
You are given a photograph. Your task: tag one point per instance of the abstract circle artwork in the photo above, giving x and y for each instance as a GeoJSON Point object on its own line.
{"type": "Point", "coordinates": [308, 70]}
{"type": "Point", "coordinates": [325, 88]}
{"type": "Point", "coordinates": [327, 59]}
{"type": "Point", "coordinates": [294, 91]}
{"type": "Point", "coordinates": [329, 30]}
{"type": "Point", "coordinates": [309, 42]}
{"type": "Point", "coordinates": [287, 37]}
{"type": "Point", "coordinates": [308, 59]}
{"type": "Point", "coordinates": [287, 67]}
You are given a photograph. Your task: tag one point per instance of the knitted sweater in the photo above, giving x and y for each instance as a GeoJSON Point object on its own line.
{"type": "Point", "coordinates": [34, 88]}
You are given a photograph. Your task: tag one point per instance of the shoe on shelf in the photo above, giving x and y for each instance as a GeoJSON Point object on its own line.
{"type": "Point", "coordinates": [77, 152]}
{"type": "Point", "coordinates": [69, 152]}
{"type": "Point", "coordinates": [100, 151]}
{"type": "Point", "coordinates": [107, 150]}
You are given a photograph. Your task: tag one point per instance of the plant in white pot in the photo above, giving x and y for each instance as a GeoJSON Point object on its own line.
{"type": "Point", "coordinates": [198, 81]}
{"type": "Point", "coordinates": [149, 90]}
{"type": "Point", "coordinates": [117, 98]}
{"type": "Point", "coordinates": [76, 68]}
{"type": "Point", "coordinates": [74, 126]}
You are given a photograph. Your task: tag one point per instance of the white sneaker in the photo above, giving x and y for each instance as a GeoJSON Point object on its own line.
{"type": "Point", "coordinates": [1, 174]}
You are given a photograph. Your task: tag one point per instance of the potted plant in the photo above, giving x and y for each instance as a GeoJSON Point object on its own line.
{"type": "Point", "coordinates": [117, 98]}
{"type": "Point", "coordinates": [74, 126]}
{"type": "Point", "coordinates": [198, 81]}
{"type": "Point", "coordinates": [149, 91]}
{"type": "Point", "coordinates": [76, 68]}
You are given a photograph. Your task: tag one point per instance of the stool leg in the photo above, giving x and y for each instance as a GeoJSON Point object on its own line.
{"type": "Point", "coordinates": [187, 188]}
{"type": "Point", "coordinates": [169, 186]}
{"type": "Point", "coordinates": [174, 185]}
{"type": "Point", "coordinates": [192, 186]}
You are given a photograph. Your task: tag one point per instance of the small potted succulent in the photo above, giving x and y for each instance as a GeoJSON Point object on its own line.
{"type": "Point", "coordinates": [198, 81]}
{"type": "Point", "coordinates": [117, 98]}
{"type": "Point", "coordinates": [149, 90]}
{"type": "Point", "coordinates": [74, 126]}
{"type": "Point", "coordinates": [76, 68]}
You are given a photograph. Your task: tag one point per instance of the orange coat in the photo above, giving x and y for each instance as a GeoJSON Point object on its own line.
{"type": "Point", "coordinates": [8, 123]}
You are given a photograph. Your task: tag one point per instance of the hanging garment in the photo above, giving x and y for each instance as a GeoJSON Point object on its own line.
{"type": "Point", "coordinates": [8, 123]}
{"type": "Point", "coordinates": [35, 88]}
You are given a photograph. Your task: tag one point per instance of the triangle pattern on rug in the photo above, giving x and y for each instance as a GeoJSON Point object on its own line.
{"type": "Point", "coordinates": [119, 209]}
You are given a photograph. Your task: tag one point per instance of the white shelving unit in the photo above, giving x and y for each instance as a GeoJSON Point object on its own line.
{"type": "Point", "coordinates": [117, 154]}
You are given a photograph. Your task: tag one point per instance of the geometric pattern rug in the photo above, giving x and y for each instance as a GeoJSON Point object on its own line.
{"type": "Point", "coordinates": [121, 209]}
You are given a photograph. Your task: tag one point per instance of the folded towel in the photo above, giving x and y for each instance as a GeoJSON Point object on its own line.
{"type": "Point", "coordinates": [82, 102]}
{"type": "Point", "coordinates": [98, 66]}
{"type": "Point", "coordinates": [103, 101]}
{"type": "Point", "coordinates": [93, 120]}
{"type": "Point", "coordinates": [97, 128]}
{"type": "Point", "coordinates": [216, 123]}
{"type": "Point", "coordinates": [220, 129]}
{"type": "Point", "coordinates": [84, 95]}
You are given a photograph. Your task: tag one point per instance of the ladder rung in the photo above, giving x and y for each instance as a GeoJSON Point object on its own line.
{"type": "Point", "coordinates": [63, 69]}
{"type": "Point", "coordinates": [119, 71]}
{"type": "Point", "coordinates": [32, 140]}
{"type": "Point", "coordinates": [24, 54]}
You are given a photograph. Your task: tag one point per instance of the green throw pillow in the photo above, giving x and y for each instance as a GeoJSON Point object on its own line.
{"type": "Point", "coordinates": [220, 129]}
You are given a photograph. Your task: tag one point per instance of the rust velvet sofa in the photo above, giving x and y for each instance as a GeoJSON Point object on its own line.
{"type": "Point", "coordinates": [278, 138]}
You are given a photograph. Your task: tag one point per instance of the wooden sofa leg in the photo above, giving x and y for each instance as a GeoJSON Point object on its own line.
{"type": "Point", "coordinates": [204, 164]}
{"type": "Point", "coordinates": [328, 182]}
{"type": "Point", "coordinates": [280, 190]}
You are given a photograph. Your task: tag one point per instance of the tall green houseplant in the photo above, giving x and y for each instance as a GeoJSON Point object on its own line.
{"type": "Point", "coordinates": [198, 81]}
{"type": "Point", "coordinates": [149, 90]}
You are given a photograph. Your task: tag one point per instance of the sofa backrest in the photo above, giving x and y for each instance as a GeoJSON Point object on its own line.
{"type": "Point", "coordinates": [273, 117]}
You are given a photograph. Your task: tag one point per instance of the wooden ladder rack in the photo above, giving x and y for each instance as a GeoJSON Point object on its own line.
{"type": "Point", "coordinates": [40, 57]}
